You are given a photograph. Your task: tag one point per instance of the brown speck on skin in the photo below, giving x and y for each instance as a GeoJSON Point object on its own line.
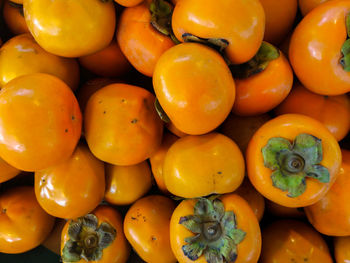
{"type": "Point", "coordinates": [66, 130]}
{"type": "Point", "coordinates": [144, 219]}
{"type": "Point", "coordinates": [219, 172]}
{"type": "Point", "coordinates": [4, 210]}
{"type": "Point", "coordinates": [73, 118]}
{"type": "Point", "coordinates": [123, 100]}
{"type": "Point", "coordinates": [100, 102]}
{"type": "Point", "coordinates": [104, 112]}
{"type": "Point", "coordinates": [305, 260]}
{"type": "Point", "coordinates": [134, 121]}
{"type": "Point", "coordinates": [133, 218]}
{"type": "Point", "coordinates": [153, 238]}
{"type": "Point", "coordinates": [43, 180]}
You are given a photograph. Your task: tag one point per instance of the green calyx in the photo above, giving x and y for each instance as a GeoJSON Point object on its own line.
{"type": "Point", "coordinates": [219, 44]}
{"type": "Point", "coordinates": [87, 239]}
{"type": "Point", "coordinates": [161, 12]}
{"type": "Point", "coordinates": [292, 163]}
{"type": "Point", "coordinates": [345, 50]}
{"type": "Point", "coordinates": [258, 63]}
{"type": "Point", "coordinates": [216, 234]}
{"type": "Point", "coordinates": [18, 6]}
{"type": "Point", "coordinates": [161, 113]}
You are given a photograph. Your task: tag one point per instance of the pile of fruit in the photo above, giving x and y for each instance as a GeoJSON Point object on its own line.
{"type": "Point", "coordinates": [158, 130]}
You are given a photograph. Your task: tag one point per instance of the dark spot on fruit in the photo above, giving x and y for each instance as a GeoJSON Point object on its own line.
{"type": "Point", "coordinates": [43, 180]}
{"type": "Point", "coordinates": [133, 218]}
{"type": "Point", "coordinates": [73, 118]}
{"type": "Point", "coordinates": [4, 210]}
{"type": "Point", "coordinates": [123, 100]}
{"type": "Point", "coordinates": [104, 112]}
{"type": "Point", "coordinates": [306, 260]}
{"type": "Point", "coordinates": [100, 102]}
{"type": "Point", "coordinates": [134, 121]}
{"type": "Point", "coordinates": [144, 219]}
{"type": "Point", "coordinates": [153, 238]}
{"type": "Point", "coordinates": [66, 130]}
{"type": "Point", "coordinates": [219, 172]}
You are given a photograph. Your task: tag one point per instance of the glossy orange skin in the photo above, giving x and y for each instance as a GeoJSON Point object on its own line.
{"type": "Point", "coordinates": [263, 91]}
{"type": "Point", "coordinates": [146, 227]}
{"type": "Point", "coordinates": [23, 223]}
{"type": "Point", "coordinates": [7, 172]}
{"type": "Point", "coordinates": [171, 127]}
{"type": "Point", "coordinates": [196, 166]}
{"type": "Point", "coordinates": [240, 22]}
{"type": "Point", "coordinates": [282, 211]}
{"type": "Point", "coordinates": [307, 5]}
{"type": "Point", "coordinates": [279, 17]}
{"type": "Point", "coordinates": [129, 3]}
{"type": "Point", "coordinates": [288, 126]}
{"type": "Point", "coordinates": [55, 122]}
{"type": "Point", "coordinates": [157, 160]}
{"type": "Point", "coordinates": [119, 250]}
{"type": "Point", "coordinates": [288, 241]}
{"type": "Point", "coordinates": [120, 178]}
{"type": "Point", "coordinates": [140, 42]}
{"type": "Point", "coordinates": [121, 124]}
{"type": "Point", "coordinates": [332, 111]}
{"type": "Point", "coordinates": [53, 241]}
{"type": "Point", "coordinates": [197, 102]}
{"type": "Point", "coordinates": [72, 188]}
{"type": "Point", "coordinates": [241, 129]}
{"type": "Point", "coordinates": [108, 62]}
{"type": "Point", "coordinates": [21, 55]}
{"type": "Point", "coordinates": [87, 28]}
{"type": "Point", "coordinates": [253, 198]}
{"type": "Point", "coordinates": [14, 19]}
{"type": "Point", "coordinates": [342, 249]}
{"type": "Point", "coordinates": [315, 49]}
{"type": "Point", "coordinates": [248, 250]}
{"type": "Point", "coordinates": [90, 87]}
{"type": "Point", "coordinates": [331, 215]}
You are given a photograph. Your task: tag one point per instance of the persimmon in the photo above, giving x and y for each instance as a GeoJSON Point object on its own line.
{"type": "Point", "coordinates": [53, 241]}
{"type": "Point", "coordinates": [293, 160]}
{"type": "Point", "coordinates": [196, 166]}
{"type": "Point", "coordinates": [318, 49]}
{"type": "Point", "coordinates": [129, 3]}
{"type": "Point", "coordinates": [307, 5]}
{"type": "Point", "coordinates": [46, 105]}
{"type": "Point", "coordinates": [253, 198]}
{"type": "Point", "coordinates": [72, 188]}
{"type": "Point", "coordinates": [241, 129]}
{"type": "Point", "coordinates": [71, 29]}
{"type": "Point", "coordinates": [331, 215]}
{"type": "Point", "coordinates": [281, 211]}
{"type": "Point", "coordinates": [157, 160]}
{"type": "Point", "coordinates": [108, 62]}
{"type": "Point", "coordinates": [171, 127]}
{"type": "Point", "coordinates": [121, 124]}
{"type": "Point", "coordinates": [237, 25]}
{"type": "Point", "coordinates": [332, 111]}
{"type": "Point", "coordinates": [24, 225]}
{"type": "Point", "coordinates": [261, 87]}
{"type": "Point", "coordinates": [279, 19]}
{"type": "Point", "coordinates": [120, 178]}
{"type": "Point", "coordinates": [14, 19]}
{"type": "Point", "coordinates": [141, 43]}
{"type": "Point", "coordinates": [204, 230]}
{"type": "Point", "coordinates": [194, 87]}
{"type": "Point", "coordinates": [90, 87]}
{"type": "Point", "coordinates": [342, 249]}
{"type": "Point", "coordinates": [293, 241]}
{"type": "Point", "coordinates": [97, 237]}
{"type": "Point", "coordinates": [146, 226]}
{"type": "Point", "coordinates": [7, 172]}
{"type": "Point", "coordinates": [21, 55]}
